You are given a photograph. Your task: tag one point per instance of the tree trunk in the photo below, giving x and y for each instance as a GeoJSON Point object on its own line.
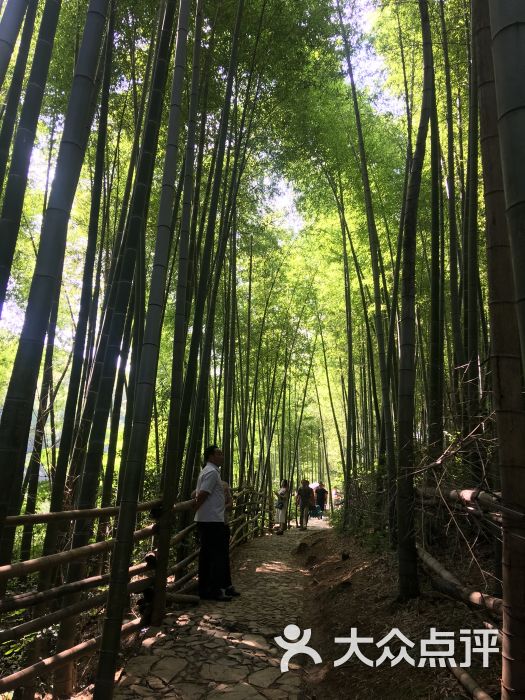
{"type": "Point", "coordinates": [15, 423]}
{"type": "Point", "coordinates": [451, 200]}
{"type": "Point", "coordinates": [408, 581]}
{"type": "Point", "coordinates": [59, 481]}
{"type": "Point", "coordinates": [375, 259]}
{"type": "Point", "coordinates": [9, 28]}
{"type": "Point", "coordinates": [15, 89]}
{"type": "Point", "coordinates": [149, 357]}
{"type": "Point", "coordinates": [25, 136]}
{"type": "Point", "coordinates": [506, 188]}
{"type": "Point", "coordinates": [202, 292]}
{"type": "Point", "coordinates": [46, 400]}
{"type": "Point", "coordinates": [435, 380]}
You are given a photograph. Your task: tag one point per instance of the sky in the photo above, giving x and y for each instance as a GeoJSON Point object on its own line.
{"type": "Point", "coordinates": [370, 68]}
{"type": "Point", "coordinates": [369, 72]}
{"type": "Point", "coordinates": [12, 315]}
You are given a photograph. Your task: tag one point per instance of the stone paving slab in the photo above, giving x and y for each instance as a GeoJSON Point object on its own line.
{"type": "Point", "coordinates": [226, 650]}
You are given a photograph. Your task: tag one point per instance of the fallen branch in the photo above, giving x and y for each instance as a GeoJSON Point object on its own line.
{"type": "Point", "coordinates": [469, 497]}
{"type": "Point", "coordinates": [469, 683]}
{"type": "Point", "coordinates": [447, 583]}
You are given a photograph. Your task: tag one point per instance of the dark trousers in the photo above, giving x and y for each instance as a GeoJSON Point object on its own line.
{"type": "Point", "coordinates": [214, 560]}
{"type": "Point", "coordinates": [305, 513]}
{"type": "Point", "coordinates": [226, 544]}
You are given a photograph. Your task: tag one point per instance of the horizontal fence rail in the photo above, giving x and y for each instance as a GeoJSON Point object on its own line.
{"type": "Point", "coordinates": [470, 498]}
{"type": "Point", "coordinates": [26, 600]}
{"type": "Point", "coordinates": [46, 666]}
{"type": "Point", "coordinates": [86, 514]}
{"type": "Point", "coordinates": [40, 623]}
{"type": "Point", "coordinates": [23, 568]}
{"type": "Point", "coordinates": [484, 511]}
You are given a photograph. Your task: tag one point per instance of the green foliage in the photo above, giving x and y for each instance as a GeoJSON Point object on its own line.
{"type": "Point", "coordinates": [302, 142]}
{"type": "Point", "coordinates": [336, 521]}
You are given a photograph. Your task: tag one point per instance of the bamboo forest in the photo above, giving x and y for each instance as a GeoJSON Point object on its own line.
{"type": "Point", "coordinates": [262, 273]}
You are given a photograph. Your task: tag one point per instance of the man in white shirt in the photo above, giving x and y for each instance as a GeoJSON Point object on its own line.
{"type": "Point", "coordinates": [209, 504]}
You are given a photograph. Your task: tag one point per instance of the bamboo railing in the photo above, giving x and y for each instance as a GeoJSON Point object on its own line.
{"type": "Point", "coordinates": [479, 509]}
{"type": "Point", "coordinates": [86, 514]}
{"type": "Point", "coordinates": [48, 605]}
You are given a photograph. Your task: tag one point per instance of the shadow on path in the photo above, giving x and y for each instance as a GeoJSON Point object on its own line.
{"type": "Point", "coordinates": [227, 650]}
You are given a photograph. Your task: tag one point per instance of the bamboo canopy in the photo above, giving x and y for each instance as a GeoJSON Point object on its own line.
{"type": "Point", "coordinates": [222, 225]}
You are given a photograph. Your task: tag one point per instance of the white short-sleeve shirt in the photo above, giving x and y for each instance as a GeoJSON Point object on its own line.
{"type": "Point", "coordinates": [212, 510]}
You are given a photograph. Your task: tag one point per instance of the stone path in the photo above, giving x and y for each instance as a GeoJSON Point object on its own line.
{"type": "Point", "coordinates": [217, 650]}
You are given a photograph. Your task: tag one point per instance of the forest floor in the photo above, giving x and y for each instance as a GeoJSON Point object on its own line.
{"type": "Point", "coordinates": [360, 590]}
{"type": "Point", "coordinates": [316, 579]}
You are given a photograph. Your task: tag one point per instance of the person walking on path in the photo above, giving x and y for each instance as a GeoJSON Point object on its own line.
{"type": "Point", "coordinates": [209, 505]}
{"type": "Point", "coordinates": [320, 496]}
{"type": "Point", "coordinates": [305, 500]}
{"type": "Point", "coordinates": [283, 495]}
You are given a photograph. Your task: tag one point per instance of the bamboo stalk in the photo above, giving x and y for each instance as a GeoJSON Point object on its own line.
{"type": "Point", "coordinates": [236, 519]}
{"type": "Point", "coordinates": [235, 540]}
{"type": "Point", "coordinates": [183, 598]}
{"type": "Point", "coordinates": [176, 585]}
{"type": "Point", "coordinates": [73, 514]}
{"type": "Point", "coordinates": [182, 534]}
{"type": "Point", "coordinates": [242, 526]}
{"type": "Point", "coordinates": [490, 626]}
{"type": "Point", "coordinates": [469, 683]}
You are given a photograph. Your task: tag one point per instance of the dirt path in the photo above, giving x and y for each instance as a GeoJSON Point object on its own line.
{"type": "Point", "coordinates": [227, 649]}
{"type": "Point", "coordinates": [318, 580]}
{"type": "Point", "coordinates": [351, 584]}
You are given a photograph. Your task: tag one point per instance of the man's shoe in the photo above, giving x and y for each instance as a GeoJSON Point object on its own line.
{"type": "Point", "coordinates": [232, 592]}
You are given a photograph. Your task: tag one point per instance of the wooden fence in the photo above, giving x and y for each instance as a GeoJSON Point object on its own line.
{"type": "Point", "coordinates": [480, 508]}
{"type": "Point", "coordinates": [45, 608]}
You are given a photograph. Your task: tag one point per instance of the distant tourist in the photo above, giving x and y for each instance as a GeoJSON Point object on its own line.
{"type": "Point", "coordinates": [320, 496]}
{"type": "Point", "coordinates": [281, 506]}
{"type": "Point", "coordinates": [305, 500]}
{"type": "Point", "coordinates": [336, 498]}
